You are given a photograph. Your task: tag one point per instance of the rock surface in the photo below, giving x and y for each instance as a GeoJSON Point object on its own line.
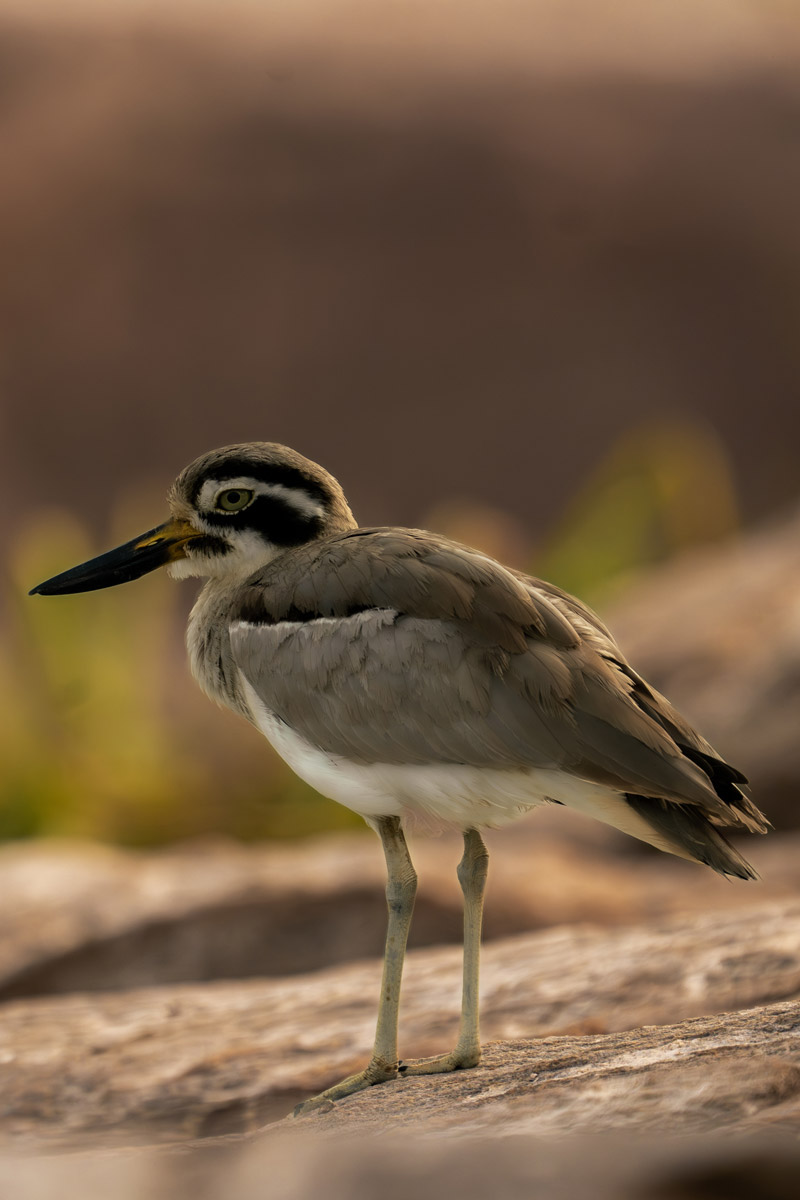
{"type": "Point", "coordinates": [724, 1073]}
{"type": "Point", "coordinates": [199, 1060]}
{"type": "Point", "coordinates": [89, 917]}
{"type": "Point", "coordinates": [718, 631]}
{"type": "Point", "coordinates": [296, 1166]}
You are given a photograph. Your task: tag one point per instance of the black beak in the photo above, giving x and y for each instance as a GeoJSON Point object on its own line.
{"type": "Point", "coordinates": [161, 545]}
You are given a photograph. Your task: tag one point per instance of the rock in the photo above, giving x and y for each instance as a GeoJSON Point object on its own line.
{"type": "Point", "coordinates": [183, 1061]}
{"type": "Point", "coordinates": [89, 917]}
{"type": "Point", "coordinates": [730, 1072]}
{"type": "Point", "coordinates": [718, 631]}
{"type": "Point", "coordinates": [295, 1167]}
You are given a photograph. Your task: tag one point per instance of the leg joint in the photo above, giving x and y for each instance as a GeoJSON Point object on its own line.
{"type": "Point", "coordinates": [474, 866]}
{"type": "Point", "coordinates": [401, 889]}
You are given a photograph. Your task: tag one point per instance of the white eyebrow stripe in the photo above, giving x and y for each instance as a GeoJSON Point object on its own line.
{"type": "Point", "coordinates": [299, 499]}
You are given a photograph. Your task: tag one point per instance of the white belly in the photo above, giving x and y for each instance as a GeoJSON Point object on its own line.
{"type": "Point", "coordinates": [443, 793]}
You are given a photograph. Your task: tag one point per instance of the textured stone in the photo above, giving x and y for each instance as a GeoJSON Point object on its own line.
{"type": "Point", "coordinates": [89, 917]}
{"type": "Point", "coordinates": [718, 631]}
{"type": "Point", "coordinates": [196, 1060]}
{"type": "Point", "coordinates": [297, 1165]}
{"type": "Point", "coordinates": [727, 1072]}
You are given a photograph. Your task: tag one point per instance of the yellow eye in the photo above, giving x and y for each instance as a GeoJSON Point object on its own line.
{"type": "Point", "coordinates": [234, 499]}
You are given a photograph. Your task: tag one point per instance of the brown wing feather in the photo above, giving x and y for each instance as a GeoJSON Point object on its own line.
{"type": "Point", "coordinates": [435, 653]}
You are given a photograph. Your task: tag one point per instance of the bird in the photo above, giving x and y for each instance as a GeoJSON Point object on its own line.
{"type": "Point", "coordinates": [407, 676]}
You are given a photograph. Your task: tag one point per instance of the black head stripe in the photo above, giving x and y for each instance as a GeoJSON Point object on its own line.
{"type": "Point", "coordinates": [275, 519]}
{"type": "Point", "coordinates": [281, 473]}
{"type": "Point", "coordinates": [211, 546]}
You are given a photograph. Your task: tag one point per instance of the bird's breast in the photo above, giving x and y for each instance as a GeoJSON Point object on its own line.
{"type": "Point", "coordinates": [209, 646]}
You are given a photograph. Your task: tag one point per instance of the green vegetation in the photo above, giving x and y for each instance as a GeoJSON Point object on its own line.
{"type": "Point", "coordinates": [659, 491]}
{"type": "Point", "coordinates": [105, 735]}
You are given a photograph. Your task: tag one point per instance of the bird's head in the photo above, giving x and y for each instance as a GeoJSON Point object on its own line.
{"type": "Point", "coordinates": [233, 511]}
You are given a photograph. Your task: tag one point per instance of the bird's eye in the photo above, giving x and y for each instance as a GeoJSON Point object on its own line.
{"type": "Point", "coordinates": [234, 499]}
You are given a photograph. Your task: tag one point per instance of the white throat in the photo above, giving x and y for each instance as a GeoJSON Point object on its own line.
{"type": "Point", "coordinates": [248, 553]}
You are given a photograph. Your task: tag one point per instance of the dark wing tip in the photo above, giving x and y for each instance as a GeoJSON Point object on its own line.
{"type": "Point", "coordinates": [693, 834]}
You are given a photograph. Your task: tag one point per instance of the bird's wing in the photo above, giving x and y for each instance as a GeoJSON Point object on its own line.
{"type": "Point", "coordinates": [729, 784]}
{"type": "Point", "coordinates": [401, 647]}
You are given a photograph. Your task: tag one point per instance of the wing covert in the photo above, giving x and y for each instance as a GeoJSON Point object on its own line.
{"type": "Point", "coordinates": [398, 646]}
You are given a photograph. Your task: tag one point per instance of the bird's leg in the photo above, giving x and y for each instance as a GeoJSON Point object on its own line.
{"type": "Point", "coordinates": [401, 888]}
{"type": "Point", "coordinates": [472, 871]}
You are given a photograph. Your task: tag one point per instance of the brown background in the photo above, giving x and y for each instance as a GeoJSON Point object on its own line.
{"type": "Point", "coordinates": [449, 249]}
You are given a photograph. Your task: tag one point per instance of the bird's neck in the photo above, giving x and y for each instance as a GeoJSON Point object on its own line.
{"type": "Point", "coordinates": [209, 646]}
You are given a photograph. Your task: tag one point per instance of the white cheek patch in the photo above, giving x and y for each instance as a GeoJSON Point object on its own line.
{"type": "Point", "coordinates": [186, 568]}
{"type": "Point", "coordinates": [248, 552]}
{"type": "Point", "coordinates": [300, 500]}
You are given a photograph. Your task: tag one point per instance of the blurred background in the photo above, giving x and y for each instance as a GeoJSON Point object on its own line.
{"type": "Point", "coordinates": [527, 273]}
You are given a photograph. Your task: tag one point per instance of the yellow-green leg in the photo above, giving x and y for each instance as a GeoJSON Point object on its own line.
{"type": "Point", "coordinates": [401, 888]}
{"type": "Point", "coordinates": [472, 871]}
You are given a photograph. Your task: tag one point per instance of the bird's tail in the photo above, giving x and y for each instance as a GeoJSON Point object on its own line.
{"type": "Point", "coordinates": [691, 835]}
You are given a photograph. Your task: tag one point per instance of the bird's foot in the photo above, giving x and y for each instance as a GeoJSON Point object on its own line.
{"type": "Point", "coordinates": [459, 1059]}
{"type": "Point", "coordinates": [377, 1071]}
